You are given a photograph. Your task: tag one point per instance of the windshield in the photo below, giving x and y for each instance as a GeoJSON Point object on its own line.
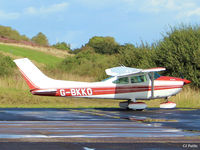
{"type": "Point", "coordinates": [156, 75]}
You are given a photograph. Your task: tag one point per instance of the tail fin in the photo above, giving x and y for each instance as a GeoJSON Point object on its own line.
{"type": "Point", "coordinates": [32, 75]}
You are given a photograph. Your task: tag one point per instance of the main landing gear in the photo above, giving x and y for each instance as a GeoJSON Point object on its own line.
{"type": "Point", "coordinates": [168, 104]}
{"type": "Point", "coordinates": [132, 104]}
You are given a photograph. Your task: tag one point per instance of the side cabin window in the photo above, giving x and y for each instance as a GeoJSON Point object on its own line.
{"type": "Point", "coordinates": [138, 79]}
{"type": "Point", "coordinates": [121, 81]}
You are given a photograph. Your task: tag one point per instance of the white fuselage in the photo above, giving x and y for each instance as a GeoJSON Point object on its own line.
{"type": "Point", "coordinates": [109, 90]}
{"type": "Point", "coordinates": [143, 85]}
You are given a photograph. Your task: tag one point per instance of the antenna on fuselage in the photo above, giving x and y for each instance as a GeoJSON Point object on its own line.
{"type": "Point", "coordinates": [122, 65]}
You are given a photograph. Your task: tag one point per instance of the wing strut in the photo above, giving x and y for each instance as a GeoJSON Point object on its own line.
{"type": "Point", "coordinates": [152, 84]}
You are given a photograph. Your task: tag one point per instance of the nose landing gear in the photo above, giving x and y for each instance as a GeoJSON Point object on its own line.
{"type": "Point", "coordinates": [168, 104]}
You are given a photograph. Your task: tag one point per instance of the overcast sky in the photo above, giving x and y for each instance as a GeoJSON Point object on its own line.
{"type": "Point", "coordinates": [76, 21]}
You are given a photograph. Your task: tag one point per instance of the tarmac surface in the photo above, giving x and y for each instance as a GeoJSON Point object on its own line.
{"type": "Point", "coordinates": [99, 129]}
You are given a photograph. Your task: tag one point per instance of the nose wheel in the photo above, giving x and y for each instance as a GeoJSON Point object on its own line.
{"type": "Point", "coordinates": [168, 104]}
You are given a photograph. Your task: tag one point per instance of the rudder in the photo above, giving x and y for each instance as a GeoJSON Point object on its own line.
{"type": "Point", "coordinates": [32, 75]}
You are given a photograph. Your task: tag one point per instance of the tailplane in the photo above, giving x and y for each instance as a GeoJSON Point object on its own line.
{"type": "Point", "coordinates": [32, 75]}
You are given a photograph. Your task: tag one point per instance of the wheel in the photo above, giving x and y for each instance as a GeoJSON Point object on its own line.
{"type": "Point", "coordinates": [168, 105]}
{"type": "Point", "coordinates": [139, 106]}
{"type": "Point", "coordinates": [123, 105]}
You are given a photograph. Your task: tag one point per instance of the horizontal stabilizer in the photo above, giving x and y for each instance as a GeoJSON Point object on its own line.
{"type": "Point", "coordinates": [45, 92]}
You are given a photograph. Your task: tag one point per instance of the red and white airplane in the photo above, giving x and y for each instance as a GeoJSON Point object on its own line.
{"type": "Point", "coordinates": [125, 83]}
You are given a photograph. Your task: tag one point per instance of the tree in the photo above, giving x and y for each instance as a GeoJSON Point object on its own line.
{"type": "Point", "coordinates": [136, 57]}
{"type": "Point", "coordinates": [40, 39]}
{"type": "Point", "coordinates": [6, 65]}
{"type": "Point", "coordinates": [8, 32]}
{"type": "Point", "coordinates": [103, 45]}
{"type": "Point", "coordinates": [89, 63]}
{"type": "Point", "coordinates": [24, 38]}
{"type": "Point", "coordinates": [179, 52]}
{"type": "Point", "coordinates": [62, 46]}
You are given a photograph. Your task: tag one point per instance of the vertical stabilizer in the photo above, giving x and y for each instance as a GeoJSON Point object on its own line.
{"type": "Point", "coordinates": [33, 76]}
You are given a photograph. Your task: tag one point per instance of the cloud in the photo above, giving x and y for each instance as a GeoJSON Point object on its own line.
{"type": "Point", "coordinates": [156, 6]}
{"type": "Point", "coordinates": [181, 10]}
{"type": "Point", "coordinates": [9, 16]}
{"type": "Point", "coordinates": [142, 6]}
{"type": "Point", "coordinates": [102, 4]}
{"type": "Point", "coordinates": [46, 9]}
{"type": "Point", "coordinates": [195, 12]}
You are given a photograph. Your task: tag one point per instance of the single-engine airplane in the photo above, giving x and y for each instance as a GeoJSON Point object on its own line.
{"type": "Point", "coordinates": [124, 83]}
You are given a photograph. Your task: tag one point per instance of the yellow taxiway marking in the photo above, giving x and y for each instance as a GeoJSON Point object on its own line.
{"type": "Point", "coordinates": [96, 113]}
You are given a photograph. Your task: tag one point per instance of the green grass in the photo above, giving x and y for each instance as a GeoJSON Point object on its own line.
{"type": "Point", "coordinates": [11, 97]}
{"type": "Point", "coordinates": [34, 55]}
{"type": "Point", "coordinates": [187, 98]}
{"type": "Point", "coordinates": [15, 93]}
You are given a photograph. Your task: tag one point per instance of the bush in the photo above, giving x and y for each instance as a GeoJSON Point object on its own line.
{"type": "Point", "coordinates": [179, 52]}
{"type": "Point", "coordinates": [89, 63]}
{"type": "Point", "coordinates": [62, 46]}
{"type": "Point", "coordinates": [40, 39]}
{"type": "Point", "coordinates": [6, 65]}
{"type": "Point", "coordinates": [103, 45]}
{"type": "Point", "coordinates": [8, 32]}
{"type": "Point", "coordinates": [136, 57]}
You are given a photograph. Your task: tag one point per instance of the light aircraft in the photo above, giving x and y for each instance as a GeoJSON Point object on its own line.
{"type": "Point", "coordinates": [125, 83]}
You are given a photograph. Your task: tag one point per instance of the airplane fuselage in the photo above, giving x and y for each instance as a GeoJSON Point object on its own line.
{"type": "Point", "coordinates": [124, 83]}
{"type": "Point", "coordinates": [163, 87]}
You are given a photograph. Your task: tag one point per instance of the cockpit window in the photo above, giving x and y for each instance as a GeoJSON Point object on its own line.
{"type": "Point", "coordinates": [156, 75]}
{"type": "Point", "coordinates": [121, 81]}
{"type": "Point", "coordinates": [138, 79]}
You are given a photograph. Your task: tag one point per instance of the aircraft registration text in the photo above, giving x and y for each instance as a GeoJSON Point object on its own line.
{"type": "Point", "coordinates": [76, 92]}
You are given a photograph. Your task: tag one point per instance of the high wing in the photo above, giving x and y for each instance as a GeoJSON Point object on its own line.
{"type": "Point", "coordinates": [125, 71]}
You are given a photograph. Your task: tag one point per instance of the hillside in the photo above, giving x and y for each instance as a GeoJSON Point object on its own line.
{"type": "Point", "coordinates": [15, 93]}
{"type": "Point", "coordinates": [39, 54]}
{"type": "Point", "coordinates": [47, 50]}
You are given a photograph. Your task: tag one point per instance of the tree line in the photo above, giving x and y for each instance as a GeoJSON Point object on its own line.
{"type": "Point", "coordinates": [178, 51]}
{"type": "Point", "coordinates": [39, 39]}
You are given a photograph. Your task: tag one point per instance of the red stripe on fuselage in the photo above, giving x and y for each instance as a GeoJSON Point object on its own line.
{"type": "Point", "coordinates": [111, 90]}
{"type": "Point", "coordinates": [119, 90]}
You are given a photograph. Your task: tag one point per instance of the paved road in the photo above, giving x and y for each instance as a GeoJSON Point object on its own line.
{"type": "Point", "coordinates": [99, 128]}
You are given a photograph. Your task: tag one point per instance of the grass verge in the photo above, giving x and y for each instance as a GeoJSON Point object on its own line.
{"type": "Point", "coordinates": [47, 50]}
{"type": "Point", "coordinates": [187, 98]}
{"type": "Point", "coordinates": [15, 93]}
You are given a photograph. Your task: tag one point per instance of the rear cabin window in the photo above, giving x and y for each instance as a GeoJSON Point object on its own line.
{"type": "Point", "coordinates": [138, 79]}
{"type": "Point", "coordinates": [121, 81]}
